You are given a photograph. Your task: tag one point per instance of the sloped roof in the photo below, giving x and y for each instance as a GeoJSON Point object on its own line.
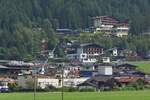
{"type": "Point", "coordinates": [3, 67]}
{"type": "Point", "coordinates": [99, 78]}
{"type": "Point", "coordinates": [92, 80]}
{"type": "Point", "coordinates": [103, 78]}
{"type": "Point", "coordinates": [126, 65]}
{"type": "Point", "coordinates": [127, 79]}
{"type": "Point", "coordinates": [13, 68]}
{"type": "Point", "coordinates": [90, 44]}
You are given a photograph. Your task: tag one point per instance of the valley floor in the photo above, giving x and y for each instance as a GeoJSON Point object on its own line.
{"type": "Point", "coordinates": [120, 95]}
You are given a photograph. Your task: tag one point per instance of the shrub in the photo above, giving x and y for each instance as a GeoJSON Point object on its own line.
{"type": "Point", "coordinates": [68, 89]}
{"type": "Point", "coordinates": [128, 88]}
{"type": "Point", "coordinates": [13, 87]}
{"type": "Point", "coordinates": [50, 88]}
{"type": "Point", "coordinates": [138, 85]}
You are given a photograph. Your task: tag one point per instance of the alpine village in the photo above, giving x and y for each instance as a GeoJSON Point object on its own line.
{"type": "Point", "coordinates": [102, 51]}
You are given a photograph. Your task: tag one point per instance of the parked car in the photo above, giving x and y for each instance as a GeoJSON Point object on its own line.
{"type": "Point", "coordinates": [4, 89]}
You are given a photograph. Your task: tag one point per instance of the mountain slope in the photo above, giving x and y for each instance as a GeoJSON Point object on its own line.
{"type": "Point", "coordinates": [24, 23]}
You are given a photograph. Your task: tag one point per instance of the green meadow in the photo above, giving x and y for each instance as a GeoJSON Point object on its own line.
{"type": "Point", "coordinates": [121, 95]}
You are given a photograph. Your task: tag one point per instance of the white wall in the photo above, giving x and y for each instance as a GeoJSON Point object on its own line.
{"type": "Point", "coordinates": [121, 34]}
{"type": "Point", "coordinates": [97, 23]}
{"type": "Point", "coordinates": [105, 70]}
{"type": "Point", "coordinates": [22, 81]}
{"type": "Point", "coordinates": [43, 82]}
{"type": "Point", "coordinates": [108, 71]}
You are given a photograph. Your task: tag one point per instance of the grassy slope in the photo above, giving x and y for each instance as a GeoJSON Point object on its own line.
{"type": "Point", "coordinates": [128, 95]}
{"type": "Point", "coordinates": [142, 65]}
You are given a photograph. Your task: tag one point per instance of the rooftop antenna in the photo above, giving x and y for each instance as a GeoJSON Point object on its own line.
{"type": "Point", "coordinates": [50, 55]}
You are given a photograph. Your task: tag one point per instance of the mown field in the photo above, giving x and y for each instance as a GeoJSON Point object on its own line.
{"type": "Point", "coordinates": [123, 95]}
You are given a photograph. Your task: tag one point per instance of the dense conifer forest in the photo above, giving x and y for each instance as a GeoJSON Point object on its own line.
{"type": "Point", "coordinates": [24, 23]}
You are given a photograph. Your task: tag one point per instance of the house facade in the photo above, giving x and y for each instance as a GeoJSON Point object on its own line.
{"type": "Point", "coordinates": [121, 30]}
{"type": "Point", "coordinates": [86, 53]}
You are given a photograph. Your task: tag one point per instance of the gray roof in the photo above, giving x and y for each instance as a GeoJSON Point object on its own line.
{"type": "Point", "coordinates": [12, 68]}
{"type": "Point", "coordinates": [92, 80]}
{"type": "Point", "coordinates": [3, 67]}
{"type": "Point", "coordinates": [126, 65]}
{"type": "Point", "coordinates": [103, 78]}
{"type": "Point", "coordinates": [90, 44]}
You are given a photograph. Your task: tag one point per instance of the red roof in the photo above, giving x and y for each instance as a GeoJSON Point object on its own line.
{"type": "Point", "coordinates": [107, 20]}
{"type": "Point", "coordinates": [127, 79]}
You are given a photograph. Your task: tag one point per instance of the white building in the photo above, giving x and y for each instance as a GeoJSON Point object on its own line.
{"type": "Point", "coordinates": [43, 82]}
{"type": "Point", "coordinates": [105, 69]}
{"type": "Point", "coordinates": [121, 31]}
{"type": "Point", "coordinates": [25, 81]}
{"type": "Point", "coordinates": [86, 53]}
{"type": "Point", "coordinates": [110, 25]}
{"type": "Point", "coordinates": [70, 82]}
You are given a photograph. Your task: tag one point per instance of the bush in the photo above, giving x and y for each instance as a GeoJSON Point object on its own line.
{"type": "Point", "coordinates": [138, 85]}
{"type": "Point", "coordinates": [147, 86]}
{"type": "Point", "coordinates": [50, 88]}
{"type": "Point", "coordinates": [68, 89]}
{"type": "Point", "coordinates": [128, 88]}
{"type": "Point", "coordinates": [13, 87]}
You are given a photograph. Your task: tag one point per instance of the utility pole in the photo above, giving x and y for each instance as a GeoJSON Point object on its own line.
{"type": "Point", "coordinates": [62, 90]}
{"type": "Point", "coordinates": [35, 86]}
{"type": "Point", "coordinates": [35, 82]}
{"type": "Point", "coordinates": [61, 67]}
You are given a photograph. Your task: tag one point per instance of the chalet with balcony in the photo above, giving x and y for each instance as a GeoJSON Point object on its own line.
{"type": "Point", "coordinates": [110, 26]}
{"type": "Point", "coordinates": [86, 53]}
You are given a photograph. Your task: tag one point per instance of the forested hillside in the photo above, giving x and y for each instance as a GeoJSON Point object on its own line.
{"type": "Point", "coordinates": [24, 23]}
